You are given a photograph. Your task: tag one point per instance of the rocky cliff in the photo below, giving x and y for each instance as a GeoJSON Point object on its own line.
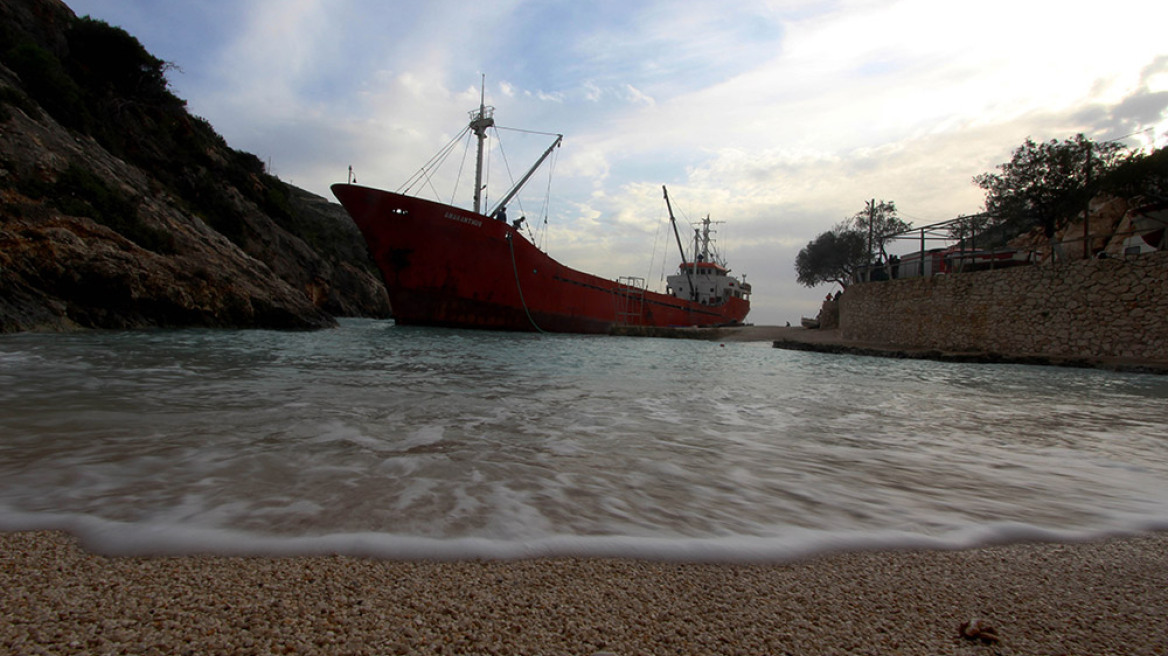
{"type": "Point", "coordinates": [119, 209]}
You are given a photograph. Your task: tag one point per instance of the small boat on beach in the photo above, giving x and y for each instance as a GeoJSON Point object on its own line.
{"type": "Point", "coordinates": [445, 265]}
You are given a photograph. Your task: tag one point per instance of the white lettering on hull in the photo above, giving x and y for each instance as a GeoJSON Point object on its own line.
{"type": "Point", "coordinates": [463, 219]}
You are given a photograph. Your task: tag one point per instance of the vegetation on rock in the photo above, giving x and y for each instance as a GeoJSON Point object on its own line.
{"type": "Point", "coordinates": [94, 133]}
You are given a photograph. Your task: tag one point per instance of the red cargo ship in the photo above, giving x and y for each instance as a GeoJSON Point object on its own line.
{"type": "Point", "coordinates": [448, 266]}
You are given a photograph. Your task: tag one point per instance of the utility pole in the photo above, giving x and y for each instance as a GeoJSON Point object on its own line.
{"type": "Point", "coordinates": [871, 221]}
{"type": "Point", "coordinates": [1087, 205]}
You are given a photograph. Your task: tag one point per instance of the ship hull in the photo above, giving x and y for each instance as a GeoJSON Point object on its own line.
{"type": "Point", "coordinates": [446, 266]}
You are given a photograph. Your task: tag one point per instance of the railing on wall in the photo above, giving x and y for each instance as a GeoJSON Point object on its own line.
{"type": "Point", "coordinates": [952, 259]}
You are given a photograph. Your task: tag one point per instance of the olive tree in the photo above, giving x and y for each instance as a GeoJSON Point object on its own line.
{"type": "Point", "coordinates": [833, 256]}
{"type": "Point", "coordinates": [1045, 183]}
{"type": "Point", "coordinates": [878, 222]}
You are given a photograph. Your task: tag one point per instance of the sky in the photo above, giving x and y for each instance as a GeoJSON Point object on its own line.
{"type": "Point", "coordinates": [776, 118]}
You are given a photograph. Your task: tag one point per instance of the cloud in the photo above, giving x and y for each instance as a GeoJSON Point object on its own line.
{"type": "Point", "coordinates": [637, 96]}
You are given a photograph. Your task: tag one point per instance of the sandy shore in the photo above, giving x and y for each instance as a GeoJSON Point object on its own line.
{"type": "Point", "coordinates": [1097, 598]}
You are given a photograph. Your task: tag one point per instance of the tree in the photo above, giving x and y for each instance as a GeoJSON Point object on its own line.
{"type": "Point", "coordinates": [877, 222]}
{"type": "Point", "coordinates": [1045, 183]}
{"type": "Point", "coordinates": [1139, 174]}
{"type": "Point", "coordinates": [834, 256]}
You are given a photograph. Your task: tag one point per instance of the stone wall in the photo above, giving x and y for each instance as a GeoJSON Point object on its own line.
{"type": "Point", "coordinates": [1109, 308]}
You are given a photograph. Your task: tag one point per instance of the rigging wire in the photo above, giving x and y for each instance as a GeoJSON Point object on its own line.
{"type": "Point", "coordinates": [507, 168]}
{"type": "Point", "coordinates": [424, 176]}
{"type": "Point", "coordinates": [653, 254]}
{"type": "Point", "coordinates": [461, 166]}
{"type": "Point", "coordinates": [547, 198]}
{"type": "Point", "coordinates": [545, 210]}
{"type": "Point", "coordinates": [424, 173]}
{"type": "Point", "coordinates": [545, 134]}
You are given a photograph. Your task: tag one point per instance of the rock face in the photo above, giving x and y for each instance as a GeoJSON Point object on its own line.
{"type": "Point", "coordinates": [124, 211]}
{"type": "Point", "coordinates": [1114, 227]}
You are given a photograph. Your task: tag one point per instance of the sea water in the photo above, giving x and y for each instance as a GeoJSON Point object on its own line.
{"type": "Point", "coordinates": [379, 440]}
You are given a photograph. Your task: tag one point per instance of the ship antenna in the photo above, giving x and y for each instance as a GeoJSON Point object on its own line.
{"type": "Point", "coordinates": [479, 122]}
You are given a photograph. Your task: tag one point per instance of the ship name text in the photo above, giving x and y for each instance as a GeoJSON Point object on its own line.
{"type": "Point", "coordinates": [464, 219]}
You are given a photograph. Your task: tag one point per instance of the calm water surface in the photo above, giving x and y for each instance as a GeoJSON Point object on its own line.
{"type": "Point", "coordinates": [380, 440]}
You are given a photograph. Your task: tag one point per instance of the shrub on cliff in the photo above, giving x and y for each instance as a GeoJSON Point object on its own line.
{"type": "Point", "coordinates": [99, 81]}
{"type": "Point", "coordinates": [49, 84]}
{"type": "Point", "coordinates": [78, 192]}
{"type": "Point", "coordinates": [111, 63]}
{"type": "Point", "coordinates": [1140, 175]}
{"type": "Point", "coordinates": [107, 85]}
{"type": "Point", "coordinates": [14, 98]}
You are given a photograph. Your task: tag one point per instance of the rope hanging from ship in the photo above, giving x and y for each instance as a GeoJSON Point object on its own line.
{"type": "Point", "coordinates": [519, 286]}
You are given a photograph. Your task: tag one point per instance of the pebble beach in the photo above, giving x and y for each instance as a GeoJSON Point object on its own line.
{"type": "Point", "coordinates": [1107, 597]}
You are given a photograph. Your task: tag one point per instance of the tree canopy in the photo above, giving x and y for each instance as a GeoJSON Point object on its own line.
{"type": "Point", "coordinates": [838, 254]}
{"type": "Point", "coordinates": [1139, 174]}
{"type": "Point", "coordinates": [878, 221]}
{"type": "Point", "coordinates": [833, 256]}
{"type": "Point", "coordinates": [1044, 183]}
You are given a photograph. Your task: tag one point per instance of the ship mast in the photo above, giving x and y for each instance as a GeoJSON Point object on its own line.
{"type": "Point", "coordinates": [693, 291]}
{"type": "Point", "coordinates": [480, 120]}
{"type": "Point", "coordinates": [702, 242]}
{"type": "Point", "coordinates": [706, 239]}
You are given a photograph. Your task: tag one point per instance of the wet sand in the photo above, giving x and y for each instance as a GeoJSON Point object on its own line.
{"type": "Point", "coordinates": [1108, 597]}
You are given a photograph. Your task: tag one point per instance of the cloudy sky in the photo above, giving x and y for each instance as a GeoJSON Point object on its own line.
{"type": "Point", "coordinates": [778, 117]}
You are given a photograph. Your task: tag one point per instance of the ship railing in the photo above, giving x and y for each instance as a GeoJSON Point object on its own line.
{"type": "Point", "coordinates": [629, 300]}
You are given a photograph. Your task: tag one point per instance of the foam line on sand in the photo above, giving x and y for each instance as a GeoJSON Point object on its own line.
{"type": "Point", "coordinates": [1106, 597]}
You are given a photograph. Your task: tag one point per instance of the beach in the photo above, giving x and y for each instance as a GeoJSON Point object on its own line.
{"type": "Point", "coordinates": [1106, 597]}
{"type": "Point", "coordinates": [375, 490]}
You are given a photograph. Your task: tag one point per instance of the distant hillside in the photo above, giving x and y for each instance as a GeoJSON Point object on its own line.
{"type": "Point", "coordinates": [120, 209]}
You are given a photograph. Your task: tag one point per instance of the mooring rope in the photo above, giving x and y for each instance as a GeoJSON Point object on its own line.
{"type": "Point", "coordinates": [515, 268]}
